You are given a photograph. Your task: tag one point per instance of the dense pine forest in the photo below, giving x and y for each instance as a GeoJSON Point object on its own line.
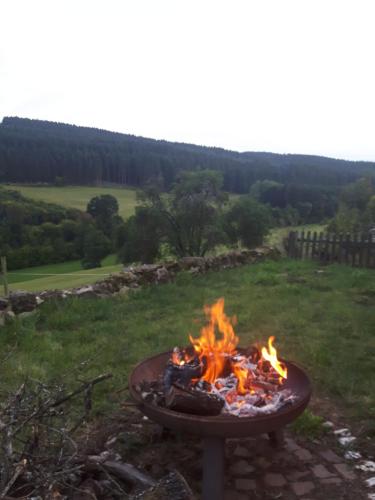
{"type": "Point", "coordinates": [35, 151]}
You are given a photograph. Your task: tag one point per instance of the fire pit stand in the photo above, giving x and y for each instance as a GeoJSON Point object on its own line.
{"type": "Point", "coordinates": [215, 429]}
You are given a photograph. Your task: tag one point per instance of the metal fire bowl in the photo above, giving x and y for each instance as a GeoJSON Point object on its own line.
{"type": "Point", "coordinates": [224, 426]}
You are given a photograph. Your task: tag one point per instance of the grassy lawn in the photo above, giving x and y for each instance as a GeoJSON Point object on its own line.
{"type": "Point", "coordinates": [79, 196]}
{"type": "Point", "coordinates": [276, 236]}
{"type": "Point", "coordinates": [325, 321]}
{"type": "Point", "coordinates": [67, 274]}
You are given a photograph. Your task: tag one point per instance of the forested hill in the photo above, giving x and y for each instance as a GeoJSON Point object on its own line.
{"type": "Point", "coordinates": [36, 151]}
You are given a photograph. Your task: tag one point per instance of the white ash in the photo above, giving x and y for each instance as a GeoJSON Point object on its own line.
{"type": "Point", "coordinates": [371, 496]}
{"type": "Point", "coordinates": [367, 466]}
{"type": "Point", "coordinates": [260, 402]}
{"type": "Point", "coordinates": [370, 482]}
{"type": "Point", "coordinates": [352, 455]}
{"type": "Point", "coordinates": [342, 432]}
{"type": "Point", "coordinates": [346, 440]}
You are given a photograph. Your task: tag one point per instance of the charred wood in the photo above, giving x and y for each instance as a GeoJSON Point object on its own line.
{"type": "Point", "coordinates": [193, 401]}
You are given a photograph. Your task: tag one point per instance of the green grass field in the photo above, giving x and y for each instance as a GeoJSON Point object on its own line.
{"type": "Point", "coordinates": [325, 321]}
{"type": "Point", "coordinates": [79, 196]}
{"type": "Point", "coordinates": [65, 275]}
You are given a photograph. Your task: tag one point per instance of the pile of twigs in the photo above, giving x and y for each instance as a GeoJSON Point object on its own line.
{"type": "Point", "coordinates": [39, 456]}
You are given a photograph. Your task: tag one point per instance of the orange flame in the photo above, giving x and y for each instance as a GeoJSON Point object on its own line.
{"type": "Point", "coordinates": [271, 356]}
{"type": "Point", "coordinates": [244, 379]}
{"type": "Point", "coordinates": [215, 350]}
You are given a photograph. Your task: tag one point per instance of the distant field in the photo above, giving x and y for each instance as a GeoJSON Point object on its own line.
{"type": "Point", "coordinates": [79, 196]}
{"type": "Point", "coordinates": [66, 275]}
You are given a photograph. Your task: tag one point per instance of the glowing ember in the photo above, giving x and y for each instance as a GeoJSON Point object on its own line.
{"type": "Point", "coordinates": [248, 384]}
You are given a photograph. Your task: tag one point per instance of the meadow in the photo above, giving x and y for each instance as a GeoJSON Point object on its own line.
{"type": "Point", "coordinates": [323, 320]}
{"type": "Point", "coordinates": [79, 196]}
{"type": "Point", "coordinates": [63, 275]}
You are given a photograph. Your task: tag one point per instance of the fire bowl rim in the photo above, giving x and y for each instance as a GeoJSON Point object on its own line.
{"type": "Point", "coordinates": [183, 421]}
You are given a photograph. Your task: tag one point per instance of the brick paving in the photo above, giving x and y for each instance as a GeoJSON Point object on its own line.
{"type": "Point", "coordinates": [301, 470]}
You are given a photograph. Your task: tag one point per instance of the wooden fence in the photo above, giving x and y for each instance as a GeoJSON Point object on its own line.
{"type": "Point", "coordinates": [355, 250]}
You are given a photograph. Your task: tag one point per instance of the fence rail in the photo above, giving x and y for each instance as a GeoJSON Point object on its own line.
{"type": "Point", "coordinates": [352, 249]}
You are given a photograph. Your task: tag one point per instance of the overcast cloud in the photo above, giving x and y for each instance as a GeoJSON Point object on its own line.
{"type": "Point", "coordinates": [268, 75]}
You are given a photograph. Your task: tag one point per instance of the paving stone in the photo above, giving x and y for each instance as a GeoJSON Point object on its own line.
{"type": "Point", "coordinates": [321, 472]}
{"type": "Point", "coordinates": [330, 456]}
{"type": "Point", "coordinates": [332, 480]}
{"type": "Point", "coordinates": [297, 474]}
{"type": "Point", "coordinates": [234, 495]}
{"type": "Point", "coordinates": [345, 471]}
{"type": "Point", "coordinates": [242, 452]}
{"type": "Point", "coordinates": [274, 480]}
{"type": "Point", "coordinates": [303, 454]}
{"type": "Point", "coordinates": [245, 484]}
{"type": "Point", "coordinates": [241, 468]}
{"type": "Point", "coordinates": [291, 445]}
{"type": "Point", "coordinates": [262, 462]}
{"type": "Point", "coordinates": [302, 487]}
{"type": "Point", "coordinates": [242, 496]}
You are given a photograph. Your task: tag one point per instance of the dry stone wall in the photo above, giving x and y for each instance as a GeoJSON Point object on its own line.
{"type": "Point", "coordinates": [23, 303]}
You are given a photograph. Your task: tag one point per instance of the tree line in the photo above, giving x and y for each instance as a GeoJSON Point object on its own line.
{"type": "Point", "coordinates": [35, 151]}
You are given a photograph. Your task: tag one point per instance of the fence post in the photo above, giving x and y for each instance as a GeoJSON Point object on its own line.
{"type": "Point", "coordinates": [307, 247]}
{"type": "Point", "coordinates": [291, 244]}
{"type": "Point", "coordinates": [300, 253]}
{"type": "Point", "coordinates": [4, 275]}
{"type": "Point", "coordinates": [313, 247]}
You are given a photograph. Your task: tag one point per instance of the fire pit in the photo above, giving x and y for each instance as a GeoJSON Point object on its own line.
{"type": "Point", "coordinates": [272, 396]}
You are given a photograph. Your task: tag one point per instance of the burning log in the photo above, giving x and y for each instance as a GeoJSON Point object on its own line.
{"type": "Point", "coordinates": [179, 372]}
{"type": "Point", "coordinates": [193, 401]}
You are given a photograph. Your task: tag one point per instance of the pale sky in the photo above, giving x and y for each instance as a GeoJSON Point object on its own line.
{"type": "Point", "coordinates": [287, 76]}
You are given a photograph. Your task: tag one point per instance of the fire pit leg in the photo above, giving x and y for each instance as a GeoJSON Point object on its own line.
{"type": "Point", "coordinates": [277, 438]}
{"type": "Point", "coordinates": [213, 468]}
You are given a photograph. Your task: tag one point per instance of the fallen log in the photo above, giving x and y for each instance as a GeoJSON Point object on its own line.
{"type": "Point", "coordinates": [193, 401]}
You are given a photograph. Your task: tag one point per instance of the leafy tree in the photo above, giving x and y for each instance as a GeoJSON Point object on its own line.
{"type": "Point", "coordinates": [369, 215]}
{"type": "Point", "coordinates": [187, 220]}
{"type": "Point", "coordinates": [357, 208]}
{"type": "Point", "coordinates": [247, 222]}
{"type": "Point", "coordinates": [140, 238]}
{"type": "Point", "coordinates": [269, 191]}
{"type": "Point", "coordinates": [96, 246]}
{"type": "Point", "coordinates": [358, 194]}
{"type": "Point", "coordinates": [104, 210]}
{"type": "Point", "coordinates": [104, 206]}
{"type": "Point", "coordinates": [347, 220]}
